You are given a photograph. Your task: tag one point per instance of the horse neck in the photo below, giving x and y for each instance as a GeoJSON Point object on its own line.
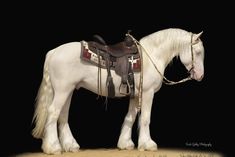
{"type": "Point", "coordinates": [165, 49]}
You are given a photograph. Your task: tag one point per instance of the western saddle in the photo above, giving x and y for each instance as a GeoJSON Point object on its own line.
{"type": "Point", "coordinates": [117, 57]}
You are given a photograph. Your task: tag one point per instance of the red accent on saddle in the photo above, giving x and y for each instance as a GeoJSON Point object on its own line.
{"type": "Point", "coordinates": [137, 65]}
{"type": "Point", "coordinates": [86, 54]}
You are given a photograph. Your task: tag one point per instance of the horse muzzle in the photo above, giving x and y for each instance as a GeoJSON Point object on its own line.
{"type": "Point", "coordinates": [198, 76]}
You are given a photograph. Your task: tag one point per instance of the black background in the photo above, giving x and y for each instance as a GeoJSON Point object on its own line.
{"type": "Point", "coordinates": [192, 112]}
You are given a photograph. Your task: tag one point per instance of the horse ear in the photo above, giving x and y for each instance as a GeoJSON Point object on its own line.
{"type": "Point", "coordinates": [196, 37]}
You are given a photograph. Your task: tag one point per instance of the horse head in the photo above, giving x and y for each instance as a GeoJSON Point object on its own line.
{"type": "Point", "coordinates": [193, 57]}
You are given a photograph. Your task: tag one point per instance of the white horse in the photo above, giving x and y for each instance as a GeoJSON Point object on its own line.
{"type": "Point", "coordinates": [64, 71]}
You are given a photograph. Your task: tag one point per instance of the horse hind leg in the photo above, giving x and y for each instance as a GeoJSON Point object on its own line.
{"type": "Point", "coordinates": [51, 144]}
{"type": "Point", "coordinates": [68, 142]}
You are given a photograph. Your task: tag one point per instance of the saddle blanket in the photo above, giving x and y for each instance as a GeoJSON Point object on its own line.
{"type": "Point", "coordinates": [92, 57]}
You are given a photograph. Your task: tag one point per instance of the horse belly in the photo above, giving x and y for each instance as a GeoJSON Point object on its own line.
{"type": "Point", "coordinates": [90, 81]}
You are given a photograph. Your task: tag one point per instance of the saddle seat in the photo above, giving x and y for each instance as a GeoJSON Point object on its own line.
{"type": "Point", "coordinates": [120, 49]}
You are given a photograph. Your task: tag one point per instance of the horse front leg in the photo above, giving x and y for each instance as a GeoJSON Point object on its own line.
{"type": "Point", "coordinates": [125, 141]}
{"type": "Point", "coordinates": [68, 142]}
{"type": "Point", "coordinates": [145, 142]}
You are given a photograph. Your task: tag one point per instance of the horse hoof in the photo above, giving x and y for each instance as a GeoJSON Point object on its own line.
{"type": "Point", "coordinates": [52, 151]}
{"type": "Point", "coordinates": [74, 150]}
{"type": "Point", "coordinates": [128, 145]}
{"type": "Point", "coordinates": [51, 148]}
{"type": "Point", "coordinates": [71, 147]}
{"type": "Point", "coordinates": [149, 146]}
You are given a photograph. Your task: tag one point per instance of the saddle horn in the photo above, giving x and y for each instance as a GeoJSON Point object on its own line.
{"type": "Point", "coordinates": [99, 39]}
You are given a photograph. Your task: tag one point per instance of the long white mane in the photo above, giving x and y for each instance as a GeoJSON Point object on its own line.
{"type": "Point", "coordinates": [171, 41]}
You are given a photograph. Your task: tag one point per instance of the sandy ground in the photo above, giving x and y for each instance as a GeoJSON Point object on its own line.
{"type": "Point", "coordinates": [128, 153]}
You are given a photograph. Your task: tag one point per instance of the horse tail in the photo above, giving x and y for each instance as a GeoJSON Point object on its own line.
{"type": "Point", "coordinates": [43, 100]}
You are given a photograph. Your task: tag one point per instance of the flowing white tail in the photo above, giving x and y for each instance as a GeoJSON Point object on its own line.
{"type": "Point", "coordinates": [44, 99]}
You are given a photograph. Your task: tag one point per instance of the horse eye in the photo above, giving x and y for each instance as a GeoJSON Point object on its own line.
{"type": "Point", "coordinates": [198, 53]}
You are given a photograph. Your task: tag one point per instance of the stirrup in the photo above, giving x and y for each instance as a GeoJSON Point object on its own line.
{"type": "Point", "coordinates": [125, 86]}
